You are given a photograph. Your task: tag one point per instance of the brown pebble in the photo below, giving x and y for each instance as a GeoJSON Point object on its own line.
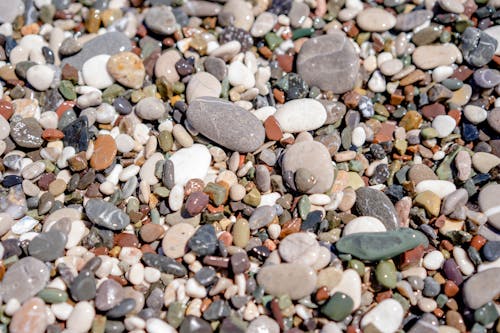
{"type": "Point", "coordinates": [196, 203]}
{"type": "Point", "coordinates": [273, 130]}
{"type": "Point", "coordinates": [45, 180]}
{"type": "Point", "coordinates": [104, 152]}
{"type": "Point", "coordinates": [126, 240]}
{"type": "Point", "coordinates": [78, 162]}
{"type": "Point", "coordinates": [431, 111]}
{"type": "Point", "coordinates": [450, 288]}
{"type": "Point", "coordinates": [151, 232]}
{"type": "Point", "coordinates": [6, 109]}
{"type": "Point", "coordinates": [57, 187]}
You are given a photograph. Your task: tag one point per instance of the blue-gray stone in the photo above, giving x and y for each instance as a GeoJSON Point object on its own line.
{"type": "Point", "coordinates": [372, 202]}
{"type": "Point", "coordinates": [491, 250]}
{"type": "Point", "coordinates": [106, 215]}
{"type": "Point", "coordinates": [48, 246]}
{"type": "Point", "coordinates": [204, 240]}
{"type": "Point", "coordinates": [431, 287]}
{"type": "Point", "coordinates": [24, 279]}
{"type": "Point", "coordinates": [477, 47]}
{"type": "Point", "coordinates": [487, 78]}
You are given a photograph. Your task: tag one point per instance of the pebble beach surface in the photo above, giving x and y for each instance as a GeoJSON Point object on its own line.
{"type": "Point", "coordinates": [261, 166]}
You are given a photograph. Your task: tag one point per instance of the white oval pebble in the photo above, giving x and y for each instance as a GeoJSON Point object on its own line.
{"type": "Point", "coordinates": [81, 317]}
{"type": "Point", "coordinates": [433, 260]}
{"type": "Point", "coordinates": [176, 197]}
{"type": "Point", "coordinates": [155, 325]}
{"type": "Point", "coordinates": [463, 261]}
{"type": "Point", "coordinates": [363, 224]}
{"type": "Point", "coordinates": [240, 75]}
{"type": "Point", "coordinates": [350, 284]}
{"type": "Point", "coordinates": [475, 114]}
{"type": "Point", "coordinates": [301, 115]}
{"type": "Point", "coordinates": [40, 77]}
{"type": "Point", "coordinates": [387, 316]}
{"type": "Point", "coordinates": [444, 125]}
{"type": "Point", "coordinates": [189, 163]}
{"type": "Point", "coordinates": [95, 73]}
{"type": "Point", "coordinates": [440, 187]}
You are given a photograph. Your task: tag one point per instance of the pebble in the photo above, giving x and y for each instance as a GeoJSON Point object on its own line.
{"type": "Point", "coordinates": [127, 68]}
{"type": "Point", "coordinates": [413, 19]}
{"type": "Point", "coordinates": [299, 248]}
{"type": "Point", "coordinates": [432, 56]}
{"type": "Point", "coordinates": [386, 317]}
{"type": "Point", "coordinates": [433, 260]}
{"type": "Point", "coordinates": [363, 224]}
{"type": "Point", "coordinates": [174, 243]}
{"type": "Point", "coordinates": [488, 203]}
{"type": "Point", "coordinates": [190, 163]}
{"type": "Point", "coordinates": [324, 57]}
{"type": "Point", "coordinates": [203, 84]}
{"type": "Point", "coordinates": [494, 32]}
{"type": "Point", "coordinates": [240, 75]}
{"type": "Point", "coordinates": [104, 152]}
{"type": "Point", "coordinates": [263, 24]}
{"type": "Point", "coordinates": [109, 294]}
{"type": "Point", "coordinates": [230, 126]}
{"type": "Point", "coordinates": [484, 162]}
{"type": "Point", "coordinates": [106, 214]}
{"type": "Point", "coordinates": [263, 323]}
{"type": "Point", "coordinates": [301, 115]}
{"type": "Point", "coordinates": [441, 188]}
{"type": "Point", "coordinates": [452, 6]}
{"type": "Point", "coordinates": [294, 280]}
{"type": "Point", "coordinates": [375, 20]}
{"type": "Point", "coordinates": [372, 202]}
{"type": "Point", "coordinates": [261, 217]}
{"type": "Point", "coordinates": [81, 318]}
{"type": "Point", "coordinates": [48, 246]}
{"type": "Point", "coordinates": [95, 72]}
{"type": "Point", "coordinates": [367, 245]}
{"type": "Point", "coordinates": [477, 47]}
{"type": "Point", "coordinates": [350, 285]}
{"type": "Point", "coordinates": [161, 20]}
{"type": "Point", "coordinates": [313, 157]}
{"type": "Point", "coordinates": [24, 279]}
{"type": "Point", "coordinates": [444, 125]}
{"type": "Point", "coordinates": [474, 291]}
{"type": "Point", "coordinates": [31, 317]}
{"type": "Point", "coordinates": [40, 77]}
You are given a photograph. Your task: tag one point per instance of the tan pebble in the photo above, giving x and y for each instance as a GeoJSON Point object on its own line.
{"type": "Point", "coordinates": [30, 318]}
{"type": "Point", "coordinates": [127, 68]}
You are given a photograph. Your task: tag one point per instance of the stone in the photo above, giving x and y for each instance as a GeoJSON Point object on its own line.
{"type": "Point", "coordinates": [40, 77]}
{"type": "Point", "coordinates": [76, 134]}
{"type": "Point", "coordinates": [127, 68]}
{"type": "Point", "coordinates": [204, 241]}
{"type": "Point", "coordinates": [484, 162]}
{"type": "Point", "coordinates": [240, 75]}
{"type": "Point", "coordinates": [478, 47]}
{"type": "Point", "coordinates": [94, 72]}
{"type": "Point", "coordinates": [226, 124]}
{"type": "Point", "coordinates": [375, 20]}
{"type": "Point", "coordinates": [203, 84]}
{"type": "Point", "coordinates": [487, 78]}
{"type": "Point", "coordinates": [106, 214]}
{"type": "Point", "coordinates": [27, 133]}
{"type": "Point", "coordinates": [263, 24]}
{"type": "Point", "coordinates": [494, 119]}
{"type": "Point", "coordinates": [241, 12]}
{"type": "Point", "coordinates": [375, 246]}
{"type": "Point", "coordinates": [30, 318]}
{"type": "Point", "coordinates": [192, 324]}
{"type": "Point", "coordinates": [474, 291]}
{"type": "Point", "coordinates": [165, 65]}
{"type": "Point", "coordinates": [104, 152]}
{"type": "Point", "coordinates": [325, 57]}
{"type": "Point", "coordinates": [175, 241]}
{"type": "Point", "coordinates": [430, 201]}
{"type": "Point", "coordinates": [83, 286]}
{"type": "Point", "coordinates": [216, 67]}
{"type": "Point", "coordinates": [263, 324]}
{"type": "Point", "coordinates": [261, 217]}
{"type": "Point", "coordinates": [441, 188]}
{"type": "Point", "coordinates": [300, 248]}
{"type": "Point", "coordinates": [81, 318]}
{"type": "Point", "coordinates": [432, 56]}
{"type": "Point", "coordinates": [161, 20]}
{"type": "Point", "coordinates": [24, 279]}
{"type": "Point", "coordinates": [150, 108]}
{"type": "Point", "coordinates": [372, 202]}
{"type": "Point", "coordinates": [444, 125]}
{"type": "Point", "coordinates": [489, 203]}
{"type": "Point", "coordinates": [48, 246]}
{"type": "Point", "coordinates": [301, 115]}
{"type": "Point", "coordinates": [201, 8]}
{"type": "Point", "coordinates": [349, 284]}
{"type": "Point", "coordinates": [494, 31]}
{"type": "Point", "coordinates": [451, 6]}
{"type": "Point", "coordinates": [9, 11]}
{"type": "Point", "coordinates": [413, 19]}
{"type": "Point", "coordinates": [338, 307]}
{"type": "Point", "coordinates": [363, 224]}
{"type": "Point", "coordinates": [109, 294]}
{"type": "Point", "coordinates": [294, 280]}
{"type": "Point", "coordinates": [314, 157]}
{"type": "Point", "coordinates": [386, 317]}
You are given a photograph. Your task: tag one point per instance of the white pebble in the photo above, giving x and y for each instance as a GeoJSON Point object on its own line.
{"type": "Point", "coordinates": [95, 73]}
{"type": "Point", "coordinates": [475, 114]}
{"type": "Point", "coordinates": [195, 289]}
{"type": "Point", "coordinates": [358, 136]}
{"type": "Point", "coordinates": [444, 125]}
{"type": "Point", "coordinates": [433, 260]}
{"type": "Point", "coordinates": [40, 77]}
{"type": "Point", "coordinates": [463, 261]}
{"type": "Point", "coordinates": [155, 325]}
{"type": "Point", "coordinates": [441, 73]}
{"type": "Point", "coordinates": [240, 75]}
{"type": "Point", "coordinates": [176, 197]}
{"type": "Point", "coordinates": [81, 317]}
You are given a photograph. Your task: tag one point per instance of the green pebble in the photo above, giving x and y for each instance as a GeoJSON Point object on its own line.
{"type": "Point", "coordinates": [159, 169]}
{"type": "Point", "coordinates": [272, 40]}
{"type": "Point", "coordinates": [441, 300]}
{"type": "Point", "coordinates": [486, 314]}
{"type": "Point", "coordinates": [53, 295]}
{"type": "Point", "coordinates": [165, 140]}
{"type": "Point", "coordinates": [401, 146]}
{"type": "Point", "coordinates": [477, 328]}
{"type": "Point", "coordinates": [304, 32]}
{"type": "Point", "coordinates": [386, 274]}
{"type": "Point", "coordinates": [338, 307]}
{"type": "Point", "coordinates": [162, 191]}
{"type": "Point", "coordinates": [252, 198]}
{"type": "Point", "coordinates": [445, 37]}
{"type": "Point", "coordinates": [474, 255]}
{"type": "Point", "coordinates": [429, 133]}
{"type": "Point", "coordinates": [175, 314]}
{"type": "Point", "coordinates": [402, 300]}
{"type": "Point", "coordinates": [284, 301]}
{"type": "Point", "coordinates": [178, 87]}
{"type": "Point", "coordinates": [132, 205]}
{"type": "Point", "coordinates": [355, 165]}
{"type": "Point", "coordinates": [358, 266]}
{"type": "Point", "coordinates": [380, 118]}
{"type": "Point", "coordinates": [47, 13]}
{"type": "Point", "coordinates": [155, 216]}
{"type": "Point", "coordinates": [452, 84]}
{"type": "Point", "coordinates": [375, 246]}
{"type": "Point", "coordinates": [443, 171]}
{"type": "Point", "coordinates": [112, 92]}
{"type": "Point", "coordinates": [460, 26]}
{"type": "Point", "coordinates": [99, 324]}
{"type": "Point", "coordinates": [399, 113]}
{"type": "Point", "coordinates": [304, 206]}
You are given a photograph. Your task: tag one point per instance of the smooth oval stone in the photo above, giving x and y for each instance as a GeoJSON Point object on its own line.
{"type": "Point", "coordinates": [314, 157]}
{"type": "Point", "coordinates": [24, 279]}
{"type": "Point", "coordinates": [125, 306]}
{"type": "Point", "coordinates": [261, 217]}
{"type": "Point", "coordinates": [494, 119]}
{"type": "Point", "coordinates": [48, 246]}
{"type": "Point", "coordinates": [363, 224]}
{"type": "Point", "coordinates": [192, 324]}
{"type": "Point", "coordinates": [241, 12]}
{"type": "Point", "coordinates": [161, 20]}
{"type": "Point", "coordinates": [83, 287]}
{"type": "Point", "coordinates": [487, 77]}
{"type": "Point", "coordinates": [202, 84]}
{"type": "Point", "coordinates": [30, 318]}
{"type": "Point", "coordinates": [294, 280]}
{"type": "Point", "coordinates": [432, 56]}
{"type": "Point", "coordinates": [375, 20]}
{"type": "Point", "coordinates": [381, 245]}
{"type": "Point", "coordinates": [299, 115]}
{"type": "Point", "coordinates": [489, 202]}
{"type": "Point", "coordinates": [349, 284]}
{"type": "Point", "coordinates": [263, 24]}
{"type": "Point", "coordinates": [372, 202]}
{"type": "Point", "coordinates": [386, 317]}
{"type": "Point", "coordinates": [329, 62]}
{"type": "Point", "coordinates": [106, 214]}
{"type": "Point", "coordinates": [441, 188]}
{"type": "Point", "coordinates": [190, 163]}
{"type": "Point", "coordinates": [201, 8]}
{"type": "Point", "coordinates": [164, 264]}
{"type": "Point", "coordinates": [204, 241]}
{"type": "Point", "coordinates": [227, 124]}
{"type": "Point", "coordinates": [165, 65]}
{"type": "Point", "coordinates": [494, 31]}
{"type": "Point", "coordinates": [174, 243]}
{"type": "Point", "coordinates": [413, 19]}
{"type": "Point", "coordinates": [109, 294]}
{"type": "Point", "coordinates": [300, 248]}
{"type": "Point", "coordinates": [482, 288]}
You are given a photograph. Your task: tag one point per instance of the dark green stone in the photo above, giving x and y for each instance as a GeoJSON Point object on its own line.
{"type": "Point", "coordinates": [381, 245]}
{"type": "Point", "coordinates": [53, 295]}
{"type": "Point", "coordinates": [338, 307]}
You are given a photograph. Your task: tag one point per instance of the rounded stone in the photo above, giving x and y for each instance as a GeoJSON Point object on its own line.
{"type": "Point", "coordinates": [294, 280]}
{"type": "Point", "coordinates": [104, 152]}
{"type": "Point", "coordinates": [300, 248]}
{"type": "Point", "coordinates": [127, 68]}
{"type": "Point", "coordinates": [174, 243]}
{"type": "Point", "coordinates": [95, 73]}
{"type": "Point", "coordinates": [24, 279]}
{"type": "Point", "coordinates": [202, 84]}
{"type": "Point", "coordinates": [375, 20]}
{"type": "Point", "coordinates": [329, 62]}
{"type": "Point", "coordinates": [301, 115]}
{"type": "Point", "coordinates": [40, 77]}
{"type": "Point", "coordinates": [30, 318]}
{"type": "Point", "coordinates": [109, 294]}
{"type": "Point", "coordinates": [150, 108]}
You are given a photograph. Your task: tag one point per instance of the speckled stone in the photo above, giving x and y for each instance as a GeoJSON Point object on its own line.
{"type": "Point", "coordinates": [375, 203]}
{"type": "Point", "coordinates": [106, 214]}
